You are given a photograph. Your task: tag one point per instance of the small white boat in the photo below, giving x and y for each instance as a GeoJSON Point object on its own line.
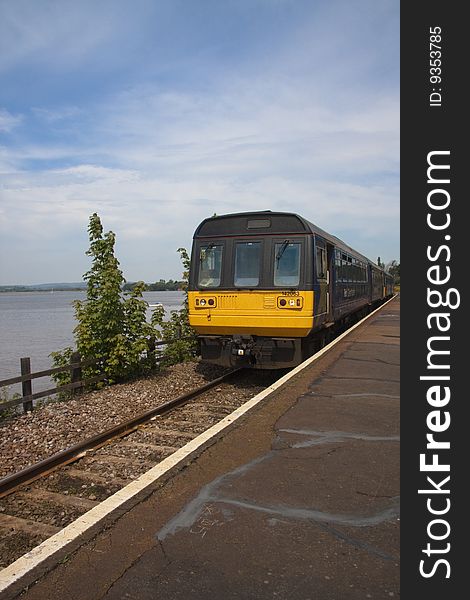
{"type": "Point", "coordinates": [155, 305]}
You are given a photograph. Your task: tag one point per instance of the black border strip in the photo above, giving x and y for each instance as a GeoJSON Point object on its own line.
{"type": "Point", "coordinates": [433, 124]}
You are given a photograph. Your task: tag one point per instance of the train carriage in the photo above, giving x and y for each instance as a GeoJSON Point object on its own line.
{"type": "Point", "coordinates": [267, 288]}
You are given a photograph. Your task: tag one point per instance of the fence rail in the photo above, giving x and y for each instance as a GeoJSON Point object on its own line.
{"type": "Point", "coordinates": [76, 382]}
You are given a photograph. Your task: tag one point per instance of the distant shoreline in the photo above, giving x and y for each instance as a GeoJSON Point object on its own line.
{"type": "Point", "coordinates": [170, 286]}
{"type": "Point", "coordinates": [36, 290]}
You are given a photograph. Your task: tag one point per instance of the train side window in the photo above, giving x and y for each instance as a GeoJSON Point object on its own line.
{"type": "Point", "coordinates": [343, 270]}
{"type": "Point", "coordinates": [339, 272]}
{"type": "Point", "coordinates": [356, 270]}
{"type": "Point", "coordinates": [321, 263]}
{"type": "Point", "coordinates": [247, 264]}
{"type": "Point", "coordinates": [350, 270]}
{"type": "Point", "coordinates": [287, 264]}
{"type": "Point", "coordinates": [210, 266]}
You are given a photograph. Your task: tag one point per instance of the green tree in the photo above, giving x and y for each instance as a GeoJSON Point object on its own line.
{"type": "Point", "coordinates": [112, 329]}
{"type": "Point", "coordinates": [393, 268]}
{"type": "Point", "coordinates": [99, 334]}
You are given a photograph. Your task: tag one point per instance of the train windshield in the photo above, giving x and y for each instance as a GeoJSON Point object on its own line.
{"type": "Point", "coordinates": [247, 264]}
{"type": "Point", "coordinates": [287, 264]}
{"type": "Point", "coordinates": [210, 266]}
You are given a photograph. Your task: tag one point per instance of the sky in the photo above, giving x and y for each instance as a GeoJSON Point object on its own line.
{"type": "Point", "coordinates": [156, 114]}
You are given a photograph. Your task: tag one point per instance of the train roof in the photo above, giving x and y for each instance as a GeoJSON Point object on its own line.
{"type": "Point", "coordinates": [259, 222]}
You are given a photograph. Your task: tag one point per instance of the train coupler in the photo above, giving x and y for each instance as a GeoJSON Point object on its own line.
{"type": "Point", "coordinates": [251, 351]}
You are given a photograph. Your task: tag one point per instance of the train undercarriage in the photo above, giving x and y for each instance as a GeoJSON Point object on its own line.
{"type": "Point", "coordinates": [260, 352]}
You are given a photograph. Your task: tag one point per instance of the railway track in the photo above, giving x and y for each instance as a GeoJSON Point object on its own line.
{"type": "Point", "coordinates": [40, 500]}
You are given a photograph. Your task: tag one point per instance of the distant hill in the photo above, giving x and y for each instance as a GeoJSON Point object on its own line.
{"type": "Point", "coordinates": [161, 285]}
{"type": "Point", "coordinates": [44, 287]}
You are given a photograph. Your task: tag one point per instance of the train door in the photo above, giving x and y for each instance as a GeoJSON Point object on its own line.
{"type": "Point", "coordinates": [330, 257]}
{"type": "Point", "coordinates": [323, 262]}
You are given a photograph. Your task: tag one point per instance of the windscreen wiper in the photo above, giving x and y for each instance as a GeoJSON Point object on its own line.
{"type": "Point", "coordinates": [285, 243]}
{"type": "Point", "coordinates": [205, 251]}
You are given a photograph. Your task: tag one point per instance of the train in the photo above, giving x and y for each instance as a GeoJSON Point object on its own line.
{"type": "Point", "coordinates": [268, 289]}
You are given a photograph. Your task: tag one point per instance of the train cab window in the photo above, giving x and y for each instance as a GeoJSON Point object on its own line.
{"type": "Point", "coordinates": [247, 264]}
{"type": "Point", "coordinates": [321, 263]}
{"type": "Point", "coordinates": [287, 264]}
{"type": "Point", "coordinates": [210, 266]}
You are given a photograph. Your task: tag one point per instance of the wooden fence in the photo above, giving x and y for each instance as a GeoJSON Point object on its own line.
{"type": "Point", "coordinates": [76, 382]}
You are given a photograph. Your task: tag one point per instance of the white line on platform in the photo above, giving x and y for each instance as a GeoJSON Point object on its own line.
{"type": "Point", "coordinates": [33, 564]}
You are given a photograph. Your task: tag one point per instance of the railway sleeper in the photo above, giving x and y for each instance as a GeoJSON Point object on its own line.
{"type": "Point", "coordinates": [44, 507]}
{"type": "Point", "coordinates": [205, 413]}
{"type": "Point", "coordinates": [112, 467]}
{"type": "Point", "coordinates": [12, 524]}
{"type": "Point", "coordinates": [190, 427]}
{"type": "Point", "coordinates": [83, 483]}
{"type": "Point", "coordinates": [149, 452]}
{"type": "Point", "coordinates": [83, 504]}
{"type": "Point", "coordinates": [14, 543]}
{"type": "Point", "coordinates": [170, 437]}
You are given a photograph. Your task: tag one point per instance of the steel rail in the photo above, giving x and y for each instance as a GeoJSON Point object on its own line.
{"type": "Point", "coordinates": [27, 475]}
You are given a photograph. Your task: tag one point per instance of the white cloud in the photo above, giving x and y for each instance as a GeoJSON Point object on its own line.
{"type": "Point", "coordinates": [162, 213]}
{"type": "Point", "coordinates": [307, 127]}
{"type": "Point", "coordinates": [61, 35]}
{"type": "Point", "coordinates": [188, 156]}
{"type": "Point", "coordinates": [8, 121]}
{"type": "Point", "coordinates": [56, 115]}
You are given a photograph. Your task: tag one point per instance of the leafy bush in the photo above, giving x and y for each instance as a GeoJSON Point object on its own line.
{"type": "Point", "coordinates": [183, 346]}
{"type": "Point", "coordinates": [6, 396]}
{"type": "Point", "coordinates": [61, 358]}
{"type": "Point", "coordinates": [112, 329]}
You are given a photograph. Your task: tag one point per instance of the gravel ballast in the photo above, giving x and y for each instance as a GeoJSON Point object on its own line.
{"type": "Point", "coordinates": [31, 437]}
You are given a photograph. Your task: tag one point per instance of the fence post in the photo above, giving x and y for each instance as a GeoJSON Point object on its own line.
{"type": "Point", "coordinates": [151, 352]}
{"type": "Point", "coordinates": [75, 371]}
{"type": "Point", "coordinates": [27, 386]}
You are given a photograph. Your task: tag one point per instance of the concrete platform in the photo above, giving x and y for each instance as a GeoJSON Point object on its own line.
{"type": "Point", "coordinates": [300, 501]}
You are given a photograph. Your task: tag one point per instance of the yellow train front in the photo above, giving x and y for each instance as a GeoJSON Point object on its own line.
{"type": "Point", "coordinates": [261, 288]}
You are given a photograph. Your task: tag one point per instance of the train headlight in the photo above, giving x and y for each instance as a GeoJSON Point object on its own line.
{"type": "Point", "coordinates": [207, 302]}
{"type": "Point", "coordinates": [290, 302]}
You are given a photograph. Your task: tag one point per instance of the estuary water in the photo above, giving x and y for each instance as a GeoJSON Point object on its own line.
{"type": "Point", "coordinates": [35, 324]}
